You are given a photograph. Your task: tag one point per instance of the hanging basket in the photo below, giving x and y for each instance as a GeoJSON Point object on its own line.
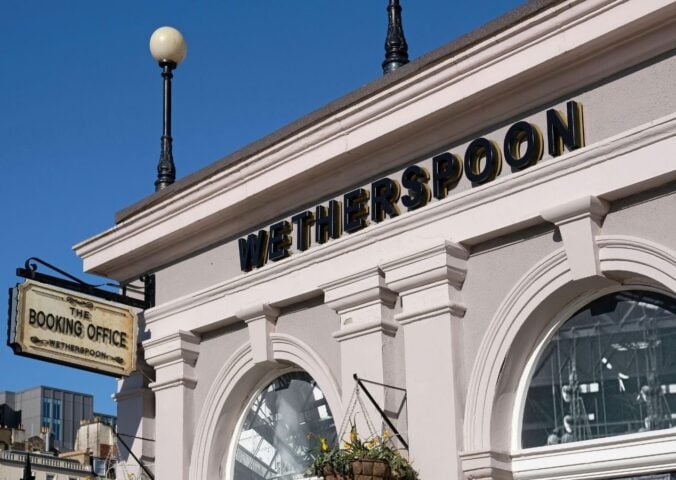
{"type": "Point", "coordinates": [371, 470]}
{"type": "Point", "coordinates": [330, 474]}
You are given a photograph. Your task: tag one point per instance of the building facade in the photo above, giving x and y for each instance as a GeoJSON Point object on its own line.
{"type": "Point", "coordinates": [44, 407]}
{"type": "Point", "coordinates": [485, 236]}
{"type": "Point", "coordinates": [43, 467]}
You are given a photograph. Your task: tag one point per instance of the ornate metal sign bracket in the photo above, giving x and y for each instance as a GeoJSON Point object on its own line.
{"type": "Point", "coordinates": [71, 282]}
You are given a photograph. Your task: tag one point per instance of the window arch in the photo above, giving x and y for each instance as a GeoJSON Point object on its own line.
{"type": "Point", "coordinates": [280, 425]}
{"type": "Point", "coordinates": [609, 370]}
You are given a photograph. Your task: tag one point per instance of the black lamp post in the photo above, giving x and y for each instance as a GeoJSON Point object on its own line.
{"type": "Point", "coordinates": [396, 49]}
{"type": "Point", "coordinates": [168, 48]}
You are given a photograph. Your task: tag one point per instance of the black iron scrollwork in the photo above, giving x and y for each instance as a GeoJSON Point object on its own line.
{"type": "Point", "coordinates": [71, 282]}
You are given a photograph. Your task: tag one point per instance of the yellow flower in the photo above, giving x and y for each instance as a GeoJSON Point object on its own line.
{"type": "Point", "coordinates": [324, 444]}
{"type": "Point", "coordinates": [386, 434]}
{"type": "Point", "coordinates": [353, 434]}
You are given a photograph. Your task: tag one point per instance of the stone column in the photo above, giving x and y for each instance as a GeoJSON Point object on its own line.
{"type": "Point", "coordinates": [173, 358]}
{"type": "Point", "coordinates": [429, 284]}
{"type": "Point", "coordinates": [365, 306]}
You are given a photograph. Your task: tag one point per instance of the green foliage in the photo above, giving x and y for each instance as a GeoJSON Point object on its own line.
{"type": "Point", "coordinates": [339, 462]}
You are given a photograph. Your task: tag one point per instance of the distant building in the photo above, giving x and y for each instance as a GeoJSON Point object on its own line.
{"type": "Point", "coordinates": [59, 410]}
{"type": "Point", "coordinates": [94, 455]}
{"type": "Point", "coordinates": [43, 467]}
{"type": "Point", "coordinates": [110, 420]}
{"type": "Point", "coordinates": [95, 445]}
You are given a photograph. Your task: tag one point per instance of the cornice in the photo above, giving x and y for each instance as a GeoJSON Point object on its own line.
{"type": "Point", "coordinates": [486, 198]}
{"type": "Point", "coordinates": [445, 262]}
{"type": "Point", "coordinates": [129, 249]}
{"type": "Point", "coordinates": [258, 311]}
{"type": "Point", "coordinates": [453, 309]}
{"type": "Point", "coordinates": [178, 347]}
{"type": "Point", "coordinates": [186, 382]}
{"type": "Point", "coordinates": [366, 328]}
{"type": "Point", "coordinates": [359, 290]}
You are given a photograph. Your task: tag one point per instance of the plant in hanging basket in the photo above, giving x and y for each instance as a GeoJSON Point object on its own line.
{"type": "Point", "coordinates": [365, 469]}
{"type": "Point", "coordinates": [331, 463]}
{"type": "Point", "coordinates": [374, 459]}
{"type": "Point", "coordinates": [378, 459]}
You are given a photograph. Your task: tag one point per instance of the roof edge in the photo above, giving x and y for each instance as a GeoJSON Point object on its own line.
{"type": "Point", "coordinates": [509, 19]}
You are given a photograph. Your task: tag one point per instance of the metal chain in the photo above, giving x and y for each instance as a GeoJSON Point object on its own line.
{"type": "Point", "coordinates": [355, 399]}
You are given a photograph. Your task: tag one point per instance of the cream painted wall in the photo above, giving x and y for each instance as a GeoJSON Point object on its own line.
{"type": "Point", "coordinates": [649, 215]}
{"type": "Point", "coordinates": [492, 270]}
{"type": "Point", "coordinates": [313, 323]}
{"type": "Point", "coordinates": [215, 349]}
{"type": "Point", "coordinates": [620, 102]}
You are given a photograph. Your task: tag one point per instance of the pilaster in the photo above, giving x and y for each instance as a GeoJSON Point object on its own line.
{"type": "Point", "coordinates": [173, 358]}
{"type": "Point", "coordinates": [365, 306]}
{"type": "Point", "coordinates": [429, 283]}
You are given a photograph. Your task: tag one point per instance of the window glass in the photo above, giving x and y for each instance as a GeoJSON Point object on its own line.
{"type": "Point", "coordinates": [281, 426]}
{"type": "Point", "coordinates": [609, 370]}
{"type": "Point", "coordinates": [46, 412]}
{"type": "Point", "coordinates": [56, 418]}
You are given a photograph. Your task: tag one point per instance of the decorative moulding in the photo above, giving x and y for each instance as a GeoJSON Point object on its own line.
{"type": "Point", "coordinates": [226, 391]}
{"type": "Point", "coordinates": [445, 262]}
{"type": "Point", "coordinates": [356, 330]}
{"type": "Point", "coordinates": [362, 289]}
{"type": "Point", "coordinates": [634, 257]}
{"type": "Point", "coordinates": [180, 346]}
{"type": "Point", "coordinates": [260, 321]}
{"type": "Point", "coordinates": [579, 222]}
{"type": "Point", "coordinates": [473, 213]}
{"type": "Point", "coordinates": [489, 465]}
{"type": "Point", "coordinates": [173, 358]}
{"type": "Point", "coordinates": [453, 309]}
{"type": "Point", "coordinates": [621, 456]}
{"type": "Point", "coordinates": [481, 71]}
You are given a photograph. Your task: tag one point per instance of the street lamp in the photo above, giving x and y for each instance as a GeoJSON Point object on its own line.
{"type": "Point", "coordinates": [168, 48]}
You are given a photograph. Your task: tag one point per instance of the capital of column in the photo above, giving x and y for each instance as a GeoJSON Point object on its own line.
{"type": "Point", "coordinates": [442, 263]}
{"type": "Point", "coordinates": [361, 289]}
{"type": "Point", "coordinates": [173, 357]}
{"type": "Point", "coordinates": [363, 302]}
{"type": "Point", "coordinates": [428, 281]}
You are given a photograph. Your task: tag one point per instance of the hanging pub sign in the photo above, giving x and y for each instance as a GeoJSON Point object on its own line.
{"type": "Point", "coordinates": [67, 327]}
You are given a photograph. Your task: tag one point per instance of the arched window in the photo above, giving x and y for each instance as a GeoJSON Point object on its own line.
{"type": "Point", "coordinates": [609, 370]}
{"type": "Point", "coordinates": [280, 426]}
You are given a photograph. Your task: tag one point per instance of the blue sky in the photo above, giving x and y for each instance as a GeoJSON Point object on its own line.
{"type": "Point", "coordinates": [80, 108]}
